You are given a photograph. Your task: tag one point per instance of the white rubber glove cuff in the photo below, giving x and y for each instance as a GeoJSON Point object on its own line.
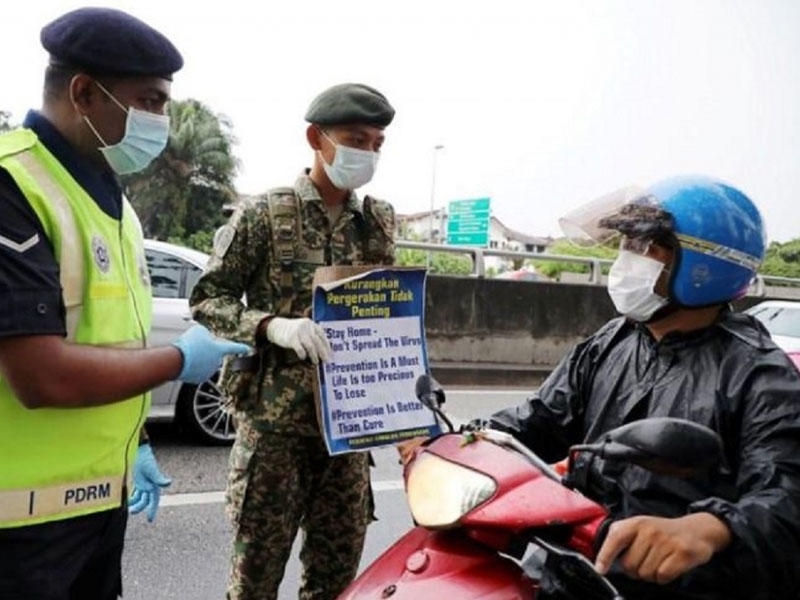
{"type": "Point", "coordinates": [302, 335]}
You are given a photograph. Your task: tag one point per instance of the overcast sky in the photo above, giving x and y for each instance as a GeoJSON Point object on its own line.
{"type": "Point", "coordinates": [539, 105]}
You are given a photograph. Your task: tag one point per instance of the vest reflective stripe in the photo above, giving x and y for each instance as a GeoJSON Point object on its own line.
{"type": "Point", "coordinates": [68, 253]}
{"type": "Point", "coordinates": [81, 497]}
{"type": "Point", "coordinates": [70, 462]}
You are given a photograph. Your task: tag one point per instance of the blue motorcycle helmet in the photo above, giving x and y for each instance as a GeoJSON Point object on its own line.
{"type": "Point", "coordinates": [720, 239]}
{"type": "Point", "coordinates": [715, 229]}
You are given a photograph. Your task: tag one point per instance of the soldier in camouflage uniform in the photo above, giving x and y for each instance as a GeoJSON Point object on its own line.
{"type": "Point", "coordinates": [281, 476]}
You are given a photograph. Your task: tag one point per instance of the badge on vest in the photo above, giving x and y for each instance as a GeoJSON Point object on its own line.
{"type": "Point", "coordinates": [100, 253]}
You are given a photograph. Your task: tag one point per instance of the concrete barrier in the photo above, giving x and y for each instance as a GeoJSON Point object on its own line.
{"type": "Point", "coordinates": [511, 333]}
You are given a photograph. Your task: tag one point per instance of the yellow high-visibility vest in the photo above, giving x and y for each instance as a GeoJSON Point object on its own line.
{"type": "Point", "coordinates": [57, 463]}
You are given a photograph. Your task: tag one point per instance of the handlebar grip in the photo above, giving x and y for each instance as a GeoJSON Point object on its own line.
{"type": "Point", "coordinates": [602, 533]}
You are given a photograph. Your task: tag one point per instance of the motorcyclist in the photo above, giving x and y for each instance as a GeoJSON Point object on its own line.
{"type": "Point", "coordinates": [688, 246]}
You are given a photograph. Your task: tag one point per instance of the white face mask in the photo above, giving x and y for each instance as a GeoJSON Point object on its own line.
{"type": "Point", "coordinates": [631, 281]}
{"type": "Point", "coordinates": [146, 136]}
{"type": "Point", "coordinates": [351, 167]}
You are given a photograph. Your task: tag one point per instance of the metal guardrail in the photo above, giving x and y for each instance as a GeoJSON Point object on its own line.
{"type": "Point", "coordinates": [478, 255]}
{"type": "Point", "coordinates": [758, 288]}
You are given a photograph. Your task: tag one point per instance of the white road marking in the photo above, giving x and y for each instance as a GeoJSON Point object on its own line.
{"type": "Point", "coordinates": [387, 486]}
{"type": "Point", "coordinates": [218, 497]}
{"type": "Point", "coordinates": [193, 498]}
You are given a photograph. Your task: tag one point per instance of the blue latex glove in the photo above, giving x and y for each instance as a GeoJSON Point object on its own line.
{"type": "Point", "coordinates": [203, 353]}
{"type": "Point", "coordinates": [148, 480]}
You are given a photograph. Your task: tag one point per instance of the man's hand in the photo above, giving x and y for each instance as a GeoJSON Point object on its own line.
{"type": "Point", "coordinates": [203, 353]}
{"type": "Point", "coordinates": [407, 449]}
{"type": "Point", "coordinates": [302, 335]}
{"type": "Point", "coordinates": [660, 550]}
{"type": "Point", "coordinates": [147, 483]}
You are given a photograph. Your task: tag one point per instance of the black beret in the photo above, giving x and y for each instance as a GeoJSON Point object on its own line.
{"type": "Point", "coordinates": [104, 41]}
{"type": "Point", "coordinates": [350, 103]}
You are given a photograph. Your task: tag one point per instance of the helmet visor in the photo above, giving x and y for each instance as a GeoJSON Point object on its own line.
{"type": "Point", "coordinates": [630, 211]}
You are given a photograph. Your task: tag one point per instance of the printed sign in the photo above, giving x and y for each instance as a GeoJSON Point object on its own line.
{"type": "Point", "coordinates": [374, 321]}
{"type": "Point", "coordinates": [468, 222]}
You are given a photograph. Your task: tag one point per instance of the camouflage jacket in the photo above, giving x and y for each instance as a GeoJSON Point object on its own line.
{"type": "Point", "coordinates": [245, 265]}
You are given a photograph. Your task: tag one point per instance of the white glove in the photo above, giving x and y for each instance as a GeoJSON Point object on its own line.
{"type": "Point", "coordinates": [302, 335]}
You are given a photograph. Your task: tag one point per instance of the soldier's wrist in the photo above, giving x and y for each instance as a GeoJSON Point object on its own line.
{"type": "Point", "coordinates": [261, 330]}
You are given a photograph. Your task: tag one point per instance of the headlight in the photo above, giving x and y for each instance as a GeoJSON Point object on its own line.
{"type": "Point", "coordinates": [441, 492]}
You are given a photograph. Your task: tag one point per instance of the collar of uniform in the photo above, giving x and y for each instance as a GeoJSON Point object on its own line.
{"type": "Point", "coordinates": [101, 184]}
{"type": "Point", "coordinates": [747, 328]}
{"type": "Point", "coordinates": [308, 192]}
{"type": "Point", "coordinates": [682, 339]}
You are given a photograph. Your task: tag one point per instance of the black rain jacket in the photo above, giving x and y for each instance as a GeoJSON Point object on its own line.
{"type": "Point", "coordinates": [730, 377]}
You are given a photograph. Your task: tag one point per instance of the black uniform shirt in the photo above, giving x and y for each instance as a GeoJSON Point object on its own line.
{"type": "Point", "coordinates": [30, 290]}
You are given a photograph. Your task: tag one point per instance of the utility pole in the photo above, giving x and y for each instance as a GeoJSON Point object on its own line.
{"type": "Point", "coordinates": [436, 149]}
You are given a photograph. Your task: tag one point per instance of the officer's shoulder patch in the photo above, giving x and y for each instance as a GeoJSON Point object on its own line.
{"type": "Point", "coordinates": [223, 239]}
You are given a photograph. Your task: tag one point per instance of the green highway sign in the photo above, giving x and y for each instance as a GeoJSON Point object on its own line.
{"type": "Point", "coordinates": [468, 222]}
{"type": "Point", "coordinates": [469, 206]}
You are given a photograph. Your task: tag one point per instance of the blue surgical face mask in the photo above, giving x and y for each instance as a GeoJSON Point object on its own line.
{"type": "Point", "coordinates": [146, 136]}
{"type": "Point", "coordinates": [351, 167]}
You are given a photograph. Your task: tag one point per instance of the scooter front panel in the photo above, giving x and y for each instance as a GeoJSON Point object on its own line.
{"type": "Point", "coordinates": [441, 565]}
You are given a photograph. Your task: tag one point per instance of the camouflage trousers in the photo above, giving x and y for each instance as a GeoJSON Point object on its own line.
{"type": "Point", "coordinates": [278, 483]}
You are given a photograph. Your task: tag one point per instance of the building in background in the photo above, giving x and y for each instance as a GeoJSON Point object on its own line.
{"type": "Point", "coordinates": [417, 227]}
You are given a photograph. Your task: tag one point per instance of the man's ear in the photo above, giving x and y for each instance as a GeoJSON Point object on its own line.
{"type": "Point", "coordinates": [82, 92]}
{"type": "Point", "coordinates": [313, 135]}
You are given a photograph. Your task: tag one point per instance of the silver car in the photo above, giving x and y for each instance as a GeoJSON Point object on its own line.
{"type": "Point", "coordinates": [174, 270]}
{"type": "Point", "coordinates": [782, 320]}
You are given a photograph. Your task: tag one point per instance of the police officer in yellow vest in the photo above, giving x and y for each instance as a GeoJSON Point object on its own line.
{"type": "Point", "coordinates": [75, 310]}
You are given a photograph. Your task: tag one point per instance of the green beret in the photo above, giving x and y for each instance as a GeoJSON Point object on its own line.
{"type": "Point", "coordinates": [350, 103]}
{"type": "Point", "coordinates": [105, 41]}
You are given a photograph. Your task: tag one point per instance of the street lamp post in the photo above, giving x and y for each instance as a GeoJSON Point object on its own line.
{"type": "Point", "coordinates": [436, 149]}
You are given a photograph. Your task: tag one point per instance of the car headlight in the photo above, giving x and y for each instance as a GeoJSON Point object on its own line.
{"type": "Point", "coordinates": [441, 492]}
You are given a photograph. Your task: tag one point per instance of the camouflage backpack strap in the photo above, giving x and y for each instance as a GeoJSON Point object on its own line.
{"type": "Point", "coordinates": [285, 222]}
{"type": "Point", "coordinates": [378, 233]}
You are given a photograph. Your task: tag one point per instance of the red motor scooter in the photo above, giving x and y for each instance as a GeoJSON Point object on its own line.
{"type": "Point", "coordinates": [481, 499]}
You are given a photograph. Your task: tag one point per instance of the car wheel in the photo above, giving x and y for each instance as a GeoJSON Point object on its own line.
{"type": "Point", "coordinates": [202, 413]}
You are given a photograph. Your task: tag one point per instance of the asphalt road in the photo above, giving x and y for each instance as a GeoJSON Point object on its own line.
{"type": "Point", "coordinates": [184, 554]}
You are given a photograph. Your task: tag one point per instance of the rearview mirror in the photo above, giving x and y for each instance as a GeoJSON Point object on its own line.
{"type": "Point", "coordinates": [429, 392]}
{"type": "Point", "coordinates": [664, 445]}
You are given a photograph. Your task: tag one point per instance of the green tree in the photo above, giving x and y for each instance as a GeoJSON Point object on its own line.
{"type": "Point", "coordinates": [442, 263]}
{"type": "Point", "coordinates": [782, 260]}
{"type": "Point", "coordinates": [553, 269]}
{"type": "Point", "coordinates": [5, 121]}
{"type": "Point", "coordinates": [179, 197]}
{"type": "Point", "coordinates": [199, 240]}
